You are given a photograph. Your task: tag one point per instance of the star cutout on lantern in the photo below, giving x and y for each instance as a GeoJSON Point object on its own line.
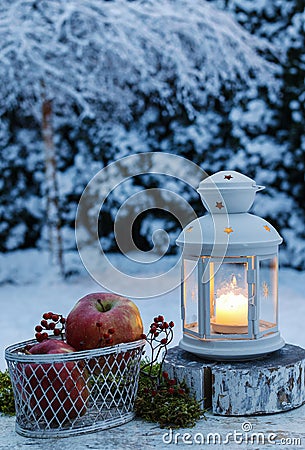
{"type": "Point", "coordinates": [265, 289]}
{"type": "Point", "coordinates": [228, 177]}
{"type": "Point", "coordinates": [189, 229]}
{"type": "Point", "coordinates": [228, 230]}
{"type": "Point", "coordinates": [267, 228]}
{"type": "Point", "coordinates": [219, 205]}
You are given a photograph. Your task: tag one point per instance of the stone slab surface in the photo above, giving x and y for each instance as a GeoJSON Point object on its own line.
{"type": "Point", "coordinates": [285, 429]}
{"type": "Point", "coordinates": [271, 384]}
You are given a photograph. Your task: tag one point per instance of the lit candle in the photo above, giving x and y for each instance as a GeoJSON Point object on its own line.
{"type": "Point", "coordinates": [232, 309]}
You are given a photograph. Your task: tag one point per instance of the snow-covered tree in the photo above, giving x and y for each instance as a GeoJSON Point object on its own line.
{"type": "Point", "coordinates": [95, 64]}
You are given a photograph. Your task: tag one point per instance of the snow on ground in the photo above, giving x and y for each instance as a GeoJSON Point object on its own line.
{"type": "Point", "coordinates": [29, 287]}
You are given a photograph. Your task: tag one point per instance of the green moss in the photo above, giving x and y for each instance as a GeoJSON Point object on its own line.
{"type": "Point", "coordinates": [165, 401]}
{"type": "Point", "coordinates": [7, 405]}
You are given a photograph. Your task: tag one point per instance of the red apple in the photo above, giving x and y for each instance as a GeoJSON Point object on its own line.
{"type": "Point", "coordinates": [57, 391]}
{"type": "Point", "coordinates": [102, 319]}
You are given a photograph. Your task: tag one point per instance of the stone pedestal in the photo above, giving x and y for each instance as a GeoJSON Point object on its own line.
{"type": "Point", "coordinates": [271, 384]}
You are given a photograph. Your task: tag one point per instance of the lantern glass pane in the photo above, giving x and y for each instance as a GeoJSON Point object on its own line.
{"type": "Point", "coordinates": [190, 295]}
{"type": "Point", "coordinates": [267, 293]}
{"type": "Point", "coordinates": [229, 298]}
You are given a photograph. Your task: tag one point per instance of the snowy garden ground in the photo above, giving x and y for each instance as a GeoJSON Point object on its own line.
{"type": "Point", "coordinates": [28, 287]}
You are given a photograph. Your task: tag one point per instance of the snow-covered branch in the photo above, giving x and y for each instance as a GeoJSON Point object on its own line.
{"type": "Point", "coordinates": [104, 56]}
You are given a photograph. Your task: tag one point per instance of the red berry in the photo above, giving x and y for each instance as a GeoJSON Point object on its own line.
{"type": "Point", "coordinates": [165, 375]}
{"type": "Point", "coordinates": [111, 331]}
{"type": "Point", "coordinates": [153, 330]}
{"type": "Point", "coordinates": [163, 341]}
{"type": "Point", "coordinates": [62, 320]}
{"type": "Point", "coordinates": [110, 341]}
{"type": "Point", "coordinates": [143, 336]}
{"type": "Point", "coordinates": [181, 391]}
{"type": "Point", "coordinates": [45, 316]}
{"type": "Point", "coordinates": [153, 393]}
{"type": "Point", "coordinates": [44, 323]}
{"type": "Point", "coordinates": [165, 325]}
{"type": "Point", "coordinates": [55, 317]}
{"type": "Point", "coordinates": [52, 325]}
{"type": "Point", "coordinates": [39, 337]}
{"type": "Point", "coordinates": [156, 334]}
{"type": "Point", "coordinates": [171, 390]}
{"type": "Point", "coordinates": [106, 335]}
{"type": "Point", "coordinates": [172, 382]}
{"type": "Point", "coordinates": [98, 324]}
{"type": "Point", "coordinates": [171, 324]}
{"type": "Point", "coordinates": [160, 319]}
{"type": "Point", "coordinates": [156, 319]}
{"type": "Point", "coordinates": [56, 332]}
{"type": "Point", "coordinates": [45, 336]}
{"type": "Point", "coordinates": [38, 328]}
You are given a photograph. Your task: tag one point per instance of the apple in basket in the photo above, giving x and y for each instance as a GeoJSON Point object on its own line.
{"type": "Point", "coordinates": [103, 319]}
{"type": "Point", "coordinates": [57, 391]}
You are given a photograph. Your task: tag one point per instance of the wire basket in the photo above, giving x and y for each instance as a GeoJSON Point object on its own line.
{"type": "Point", "coordinates": [73, 393]}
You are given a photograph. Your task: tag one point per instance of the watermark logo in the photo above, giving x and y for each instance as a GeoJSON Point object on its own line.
{"type": "Point", "coordinates": [246, 426]}
{"type": "Point", "coordinates": [245, 435]}
{"type": "Point", "coordinates": [118, 176]}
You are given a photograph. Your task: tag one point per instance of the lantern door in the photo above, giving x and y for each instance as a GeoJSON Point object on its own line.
{"type": "Point", "coordinates": [267, 292]}
{"type": "Point", "coordinates": [229, 297]}
{"type": "Point", "coordinates": [190, 298]}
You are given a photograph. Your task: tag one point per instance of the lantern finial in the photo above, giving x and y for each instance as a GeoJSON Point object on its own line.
{"type": "Point", "coordinates": [228, 193]}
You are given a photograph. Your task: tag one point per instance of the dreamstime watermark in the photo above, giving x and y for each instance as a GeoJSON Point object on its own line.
{"type": "Point", "coordinates": [246, 435]}
{"type": "Point", "coordinates": [118, 176]}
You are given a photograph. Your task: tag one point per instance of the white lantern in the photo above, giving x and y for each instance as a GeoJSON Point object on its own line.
{"type": "Point", "coordinates": [229, 274]}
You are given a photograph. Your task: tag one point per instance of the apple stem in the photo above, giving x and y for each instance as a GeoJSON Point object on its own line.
{"type": "Point", "coordinates": [101, 305]}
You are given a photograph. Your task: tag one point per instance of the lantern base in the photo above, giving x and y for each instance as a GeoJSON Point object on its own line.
{"type": "Point", "coordinates": [232, 350]}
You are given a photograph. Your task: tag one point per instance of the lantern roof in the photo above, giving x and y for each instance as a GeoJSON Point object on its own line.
{"type": "Point", "coordinates": [228, 229]}
{"type": "Point", "coordinates": [228, 179]}
{"type": "Point", "coordinates": [232, 234]}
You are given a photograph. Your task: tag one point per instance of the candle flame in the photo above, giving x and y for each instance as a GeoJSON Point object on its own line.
{"type": "Point", "coordinates": [233, 282]}
{"type": "Point", "coordinates": [232, 286]}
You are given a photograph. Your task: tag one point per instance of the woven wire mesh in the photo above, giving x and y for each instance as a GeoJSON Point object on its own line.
{"type": "Point", "coordinates": [73, 393]}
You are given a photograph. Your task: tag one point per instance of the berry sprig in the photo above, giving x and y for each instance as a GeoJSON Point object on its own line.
{"type": "Point", "coordinates": [166, 385]}
{"type": "Point", "coordinates": [171, 385]}
{"type": "Point", "coordinates": [160, 398]}
{"type": "Point", "coordinates": [159, 337]}
{"type": "Point", "coordinates": [105, 338]}
{"type": "Point", "coordinates": [51, 322]}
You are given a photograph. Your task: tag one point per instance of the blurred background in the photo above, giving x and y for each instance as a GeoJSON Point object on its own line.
{"type": "Point", "coordinates": [219, 82]}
